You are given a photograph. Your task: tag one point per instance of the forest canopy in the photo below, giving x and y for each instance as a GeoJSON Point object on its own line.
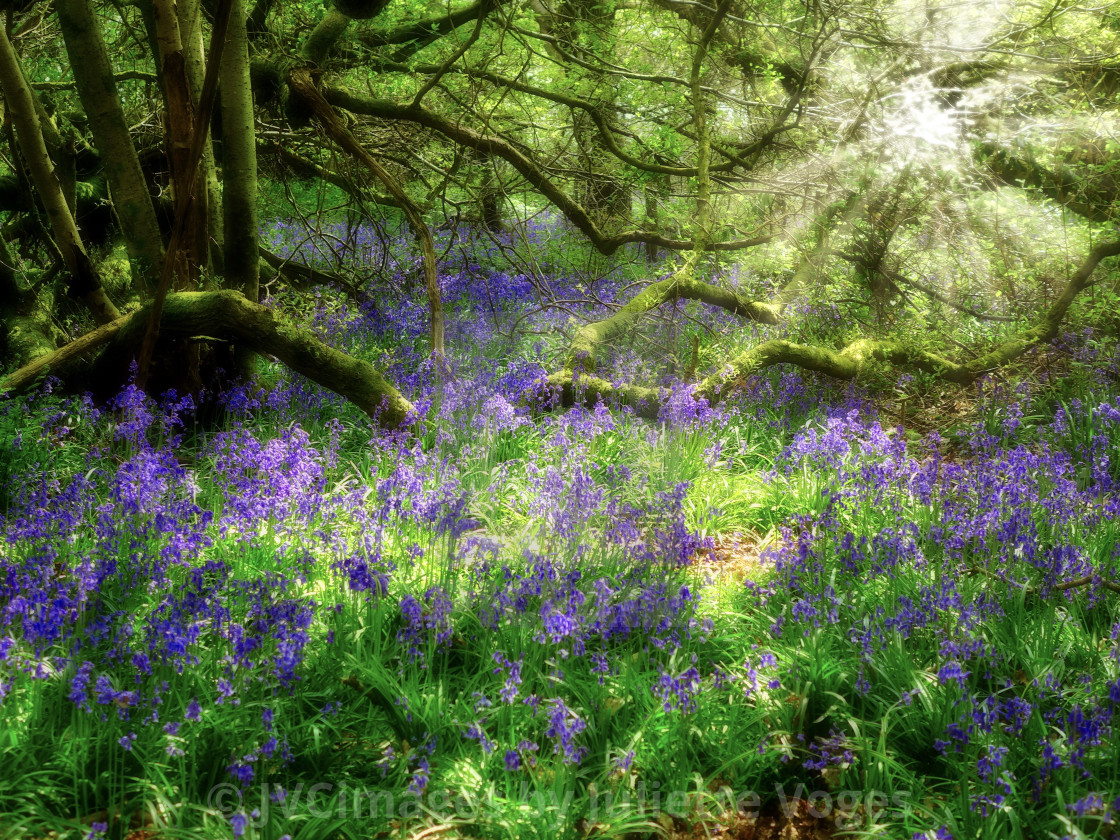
{"type": "Point", "coordinates": [930, 170]}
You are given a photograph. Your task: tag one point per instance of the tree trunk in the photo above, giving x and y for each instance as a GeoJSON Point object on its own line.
{"type": "Point", "coordinates": [23, 332]}
{"type": "Point", "coordinates": [206, 188]}
{"type": "Point", "coordinates": [491, 194]}
{"type": "Point", "coordinates": [188, 159]}
{"type": "Point", "coordinates": [93, 77]}
{"type": "Point", "coordinates": [62, 153]}
{"type": "Point", "coordinates": [239, 164]}
{"type": "Point", "coordinates": [651, 201]}
{"type": "Point", "coordinates": [239, 172]}
{"type": "Point", "coordinates": [179, 124]}
{"type": "Point", "coordinates": [83, 282]}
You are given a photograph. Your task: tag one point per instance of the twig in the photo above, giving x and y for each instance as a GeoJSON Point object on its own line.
{"type": "Point", "coordinates": [1076, 583]}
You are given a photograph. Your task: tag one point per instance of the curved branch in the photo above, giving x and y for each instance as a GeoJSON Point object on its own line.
{"type": "Point", "coordinates": [929, 291]}
{"type": "Point", "coordinates": [847, 363]}
{"type": "Point", "coordinates": [228, 314]}
{"type": "Point", "coordinates": [59, 359]}
{"type": "Point", "coordinates": [529, 170]}
{"type": "Point", "coordinates": [839, 364]}
{"type": "Point", "coordinates": [1062, 184]}
{"type": "Point", "coordinates": [124, 76]}
{"type": "Point", "coordinates": [424, 31]}
{"type": "Point", "coordinates": [303, 87]}
{"type": "Point", "coordinates": [327, 31]}
{"type": "Point", "coordinates": [591, 336]}
{"type": "Point", "coordinates": [683, 284]}
{"type": "Point", "coordinates": [310, 169]}
{"type": "Point", "coordinates": [300, 276]}
{"type": "Point", "coordinates": [595, 113]}
{"type": "Point", "coordinates": [441, 71]}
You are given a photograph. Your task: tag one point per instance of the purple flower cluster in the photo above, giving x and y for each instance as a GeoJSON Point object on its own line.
{"type": "Point", "coordinates": [953, 546]}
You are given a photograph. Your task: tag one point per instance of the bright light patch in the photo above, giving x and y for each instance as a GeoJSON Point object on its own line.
{"type": "Point", "coordinates": [917, 115]}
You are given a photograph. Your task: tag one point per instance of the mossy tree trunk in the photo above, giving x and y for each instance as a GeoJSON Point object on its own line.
{"type": "Point", "coordinates": [241, 263]}
{"type": "Point", "coordinates": [24, 329]}
{"type": "Point", "coordinates": [207, 191]}
{"type": "Point", "coordinates": [239, 161]}
{"type": "Point", "coordinates": [93, 77]}
{"type": "Point", "coordinates": [848, 362]}
{"type": "Point", "coordinates": [83, 281]}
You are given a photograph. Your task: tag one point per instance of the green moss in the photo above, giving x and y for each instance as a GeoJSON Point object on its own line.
{"type": "Point", "coordinates": [116, 273]}
{"type": "Point", "coordinates": [28, 337]}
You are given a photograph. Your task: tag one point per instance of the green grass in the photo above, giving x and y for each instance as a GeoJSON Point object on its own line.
{"type": "Point", "coordinates": [728, 726]}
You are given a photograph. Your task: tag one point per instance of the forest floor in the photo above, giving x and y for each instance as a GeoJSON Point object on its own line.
{"type": "Point", "coordinates": [815, 610]}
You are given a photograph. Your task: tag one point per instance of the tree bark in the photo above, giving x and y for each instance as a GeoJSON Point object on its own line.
{"type": "Point", "coordinates": [179, 127]}
{"type": "Point", "coordinates": [207, 191]}
{"type": "Point", "coordinates": [590, 337]}
{"type": "Point", "coordinates": [490, 193]}
{"type": "Point", "coordinates": [97, 89]}
{"type": "Point", "coordinates": [326, 33]}
{"type": "Point", "coordinates": [417, 34]}
{"type": "Point", "coordinates": [83, 282]}
{"type": "Point", "coordinates": [191, 156]}
{"type": "Point", "coordinates": [331, 26]}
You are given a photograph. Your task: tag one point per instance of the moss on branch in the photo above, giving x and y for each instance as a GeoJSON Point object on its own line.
{"type": "Point", "coordinates": [847, 363]}
{"type": "Point", "coordinates": [229, 315]}
{"type": "Point", "coordinates": [591, 336]}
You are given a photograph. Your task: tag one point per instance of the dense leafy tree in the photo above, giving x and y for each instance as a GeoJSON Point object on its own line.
{"type": "Point", "coordinates": [910, 159]}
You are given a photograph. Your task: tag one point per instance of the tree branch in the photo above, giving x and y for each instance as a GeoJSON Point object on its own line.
{"type": "Point", "coordinates": [302, 86]}
{"type": "Point", "coordinates": [529, 170]}
{"type": "Point", "coordinates": [228, 314]}
{"type": "Point", "coordinates": [847, 363]}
